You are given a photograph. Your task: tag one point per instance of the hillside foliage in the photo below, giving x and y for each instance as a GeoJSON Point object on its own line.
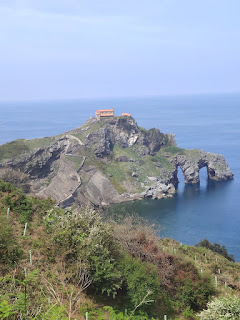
{"type": "Point", "coordinates": [60, 264]}
{"type": "Point", "coordinates": [226, 308]}
{"type": "Point", "coordinates": [215, 247]}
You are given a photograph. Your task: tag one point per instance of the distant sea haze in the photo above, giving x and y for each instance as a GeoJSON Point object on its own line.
{"type": "Point", "coordinates": [211, 122]}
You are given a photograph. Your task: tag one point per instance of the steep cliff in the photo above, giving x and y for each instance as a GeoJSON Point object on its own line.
{"type": "Point", "coordinates": [105, 161]}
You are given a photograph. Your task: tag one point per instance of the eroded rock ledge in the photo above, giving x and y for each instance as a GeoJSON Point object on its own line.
{"type": "Point", "coordinates": [106, 161]}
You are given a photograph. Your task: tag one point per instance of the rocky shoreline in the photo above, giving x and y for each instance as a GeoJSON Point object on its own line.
{"type": "Point", "coordinates": [107, 161]}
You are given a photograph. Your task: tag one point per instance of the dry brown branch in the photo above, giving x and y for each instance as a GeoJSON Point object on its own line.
{"type": "Point", "coordinates": [63, 291]}
{"type": "Point", "coordinates": [140, 241]}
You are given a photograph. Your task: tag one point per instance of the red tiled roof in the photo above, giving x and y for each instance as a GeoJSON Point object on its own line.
{"type": "Point", "coordinates": [107, 114]}
{"type": "Point", "coordinates": [105, 110]}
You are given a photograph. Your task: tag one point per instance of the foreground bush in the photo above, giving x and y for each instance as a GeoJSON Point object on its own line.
{"type": "Point", "coordinates": [79, 257]}
{"type": "Point", "coordinates": [140, 279]}
{"type": "Point", "coordinates": [25, 297]}
{"type": "Point", "coordinates": [82, 236]}
{"type": "Point", "coordinates": [22, 205]}
{"type": "Point", "coordinates": [226, 308]}
{"type": "Point", "coordinates": [10, 252]}
{"type": "Point", "coordinates": [193, 290]}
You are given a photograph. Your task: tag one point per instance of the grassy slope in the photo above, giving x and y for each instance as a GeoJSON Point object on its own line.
{"type": "Point", "coordinates": [207, 261]}
{"type": "Point", "coordinates": [15, 148]}
{"type": "Point", "coordinates": [47, 265]}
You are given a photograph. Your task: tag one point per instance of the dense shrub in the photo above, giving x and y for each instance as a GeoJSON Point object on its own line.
{"type": "Point", "coordinates": [10, 251]}
{"type": "Point", "coordinates": [227, 308]}
{"type": "Point", "coordinates": [20, 204]}
{"type": "Point", "coordinates": [215, 247]}
{"type": "Point", "coordinates": [104, 270]}
{"type": "Point", "coordinates": [121, 262]}
{"type": "Point", "coordinates": [107, 312]}
{"type": "Point", "coordinates": [6, 187]}
{"type": "Point", "coordinates": [16, 200]}
{"type": "Point", "coordinates": [24, 298]}
{"type": "Point", "coordinates": [83, 236]}
{"type": "Point", "coordinates": [140, 241]}
{"type": "Point", "coordinates": [193, 289]}
{"type": "Point", "coordinates": [139, 279]}
{"type": "Point", "coordinates": [122, 316]}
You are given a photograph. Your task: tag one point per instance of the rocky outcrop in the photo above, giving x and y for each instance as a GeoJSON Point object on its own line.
{"type": "Point", "coordinates": [124, 132]}
{"type": "Point", "coordinates": [41, 162]}
{"type": "Point", "coordinates": [160, 190]}
{"type": "Point", "coordinates": [218, 168]}
{"type": "Point", "coordinates": [153, 139]}
{"type": "Point", "coordinates": [100, 190]}
{"type": "Point", "coordinates": [191, 163]}
{"type": "Point", "coordinates": [108, 161]}
{"type": "Point", "coordinates": [101, 140]}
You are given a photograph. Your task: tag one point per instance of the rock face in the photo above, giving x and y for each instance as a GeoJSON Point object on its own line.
{"type": "Point", "coordinates": [101, 190]}
{"type": "Point", "coordinates": [160, 190]}
{"type": "Point", "coordinates": [124, 132]}
{"type": "Point", "coordinates": [108, 161]}
{"type": "Point", "coordinates": [217, 167]}
{"type": "Point", "coordinates": [41, 162]}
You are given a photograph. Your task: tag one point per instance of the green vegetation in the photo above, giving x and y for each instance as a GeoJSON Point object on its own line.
{"type": "Point", "coordinates": [85, 129]}
{"type": "Point", "coordinates": [173, 150]}
{"type": "Point", "coordinates": [159, 157]}
{"type": "Point", "coordinates": [41, 143]}
{"type": "Point", "coordinates": [140, 278]}
{"type": "Point", "coordinates": [193, 154]}
{"type": "Point", "coordinates": [23, 205]}
{"type": "Point", "coordinates": [77, 161]}
{"type": "Point", "coordinates": [17, 147]}
{"type": "Point", "coordinates": [120, 172]}
{"type": "Point", "coordinates": [70, 262]}
{"type": "Point", "coordinates": [13, 149]}
{"type": "Point", "coordinates": [227, 308]}
{"type": "Point", "coordinates": [215, 247]}
{"type": "Point", "coordinates": [9, 248]}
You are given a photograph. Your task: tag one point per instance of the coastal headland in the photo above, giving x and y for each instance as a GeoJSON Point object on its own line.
{"type": "Point", "coordinates": [106, 160]}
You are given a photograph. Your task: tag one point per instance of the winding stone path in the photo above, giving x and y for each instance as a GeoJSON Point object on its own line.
{"type": "Point", "coordinates": [77, 171]}
{"type": "Point", "coordinates": [69, 136]}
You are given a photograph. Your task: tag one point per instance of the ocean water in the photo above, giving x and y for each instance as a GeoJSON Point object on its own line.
{"type": "Point", "coordinates": [211, 122]}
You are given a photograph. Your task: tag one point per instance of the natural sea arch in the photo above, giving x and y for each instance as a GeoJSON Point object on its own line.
{"type": "Point", "coordinates": [202, 174]}
{"type": "Point", "coordinates": [191, 167]}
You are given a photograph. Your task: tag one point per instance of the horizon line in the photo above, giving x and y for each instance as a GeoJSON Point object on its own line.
{"type": "Point", "coordinates": [119, 97]}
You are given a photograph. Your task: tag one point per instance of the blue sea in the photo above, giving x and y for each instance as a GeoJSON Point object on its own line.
{"type": "Point", "coordinates": [211, 122]}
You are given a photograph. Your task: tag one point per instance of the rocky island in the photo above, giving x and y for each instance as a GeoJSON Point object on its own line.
{"type": "Point", "coordinates": [106, 160]}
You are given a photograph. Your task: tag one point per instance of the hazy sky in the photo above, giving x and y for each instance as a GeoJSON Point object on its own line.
{"type": "Point", "coordinates": [53, 49]}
